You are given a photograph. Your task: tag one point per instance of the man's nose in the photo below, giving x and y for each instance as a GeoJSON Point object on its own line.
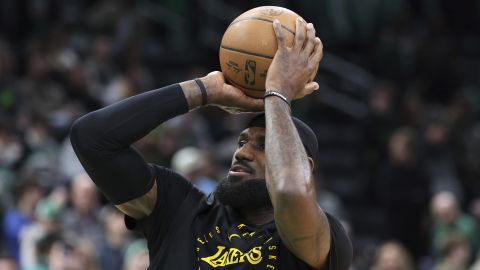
{"type": "Point", "coordinates": [245, 152]}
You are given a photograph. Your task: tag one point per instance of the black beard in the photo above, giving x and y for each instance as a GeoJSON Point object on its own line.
{"type": "Point", "coordinates": [244, 194]}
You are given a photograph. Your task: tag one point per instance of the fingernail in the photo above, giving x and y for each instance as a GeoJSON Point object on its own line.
{"type": "Point", "coordinates": [309, 26]}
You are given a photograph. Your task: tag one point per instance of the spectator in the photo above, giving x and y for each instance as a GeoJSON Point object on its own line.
{"type": "Point", "coordinates": [47, 221]}
{"type": "Point", "coordinates": [392, 255]}
{"type": "Point", "coordinates": [116, 239]}
{"type": "Point", "coordinates": [56, 253]}
{"type": "Point", "coordinates": [29, 193]}
{"type": "Point", "coordinates": [136, 256]}
{"type": "Point", "coordinates": [13, 150]}
{"type": "Point", "coordinates": [41, 94]}
{"type": "Point", "coordinates": [449, 220]}
{"type": "Point", "coordinates": [381, 124]}
{"type": "Point", "coordinates": [439, 158]}
{"type": "Point", "coordinates": [196, 166]}
{"type": "Point", "coordinates": [99, 68]}
{"type": "Point", "coordinates": [475, 210]}
{"type": "Point", "coordinates": [82, 218]}
{"type": "Point", "coordinates": [455, 254]}
{"type": "Point", "coordinates": [403, 175]}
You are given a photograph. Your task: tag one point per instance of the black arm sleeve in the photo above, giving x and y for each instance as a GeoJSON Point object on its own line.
{"type": "Point", "coordinates": [102, 139]}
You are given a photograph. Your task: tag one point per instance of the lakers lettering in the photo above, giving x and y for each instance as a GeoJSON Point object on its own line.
{"type": "Point", "coordinates": [231, 256]}
{"type": "Point", "coordinates": [226, 254]}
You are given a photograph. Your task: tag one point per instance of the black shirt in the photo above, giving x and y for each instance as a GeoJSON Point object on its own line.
{"type": "Point", "coordinates": [188, 230]}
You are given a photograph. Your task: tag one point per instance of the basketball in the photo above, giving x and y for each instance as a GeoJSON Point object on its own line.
{"type": "Point", "coordinates": [249, 45]}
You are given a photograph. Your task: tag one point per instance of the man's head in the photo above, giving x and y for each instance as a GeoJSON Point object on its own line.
{"type": "Point", "coordinates": [245, 186]}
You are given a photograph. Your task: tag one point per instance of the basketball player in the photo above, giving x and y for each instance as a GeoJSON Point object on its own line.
{"type": "Point", "coordinates": [263, 215]}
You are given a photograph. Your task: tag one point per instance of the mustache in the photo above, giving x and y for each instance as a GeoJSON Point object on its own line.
{"type": "Point", "coordinates": [243, 164]}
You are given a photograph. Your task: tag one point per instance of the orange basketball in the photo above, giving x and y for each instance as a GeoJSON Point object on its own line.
{"type": "Point", "coordinates": [249, 45]}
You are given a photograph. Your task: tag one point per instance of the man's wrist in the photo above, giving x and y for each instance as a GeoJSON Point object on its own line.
{"type": "Point", "coordinates": [210, 83]}
{"type": "Point", "coordinates": [192, 93]}
{"type": "Point", "coordinates": [203, 91]}
{"type": "Point", "coordinates": [282, 89]}
{"type": "Point", "coordinates": [277, 94]}
{"type": "Point", "coordinates": [275, 101]}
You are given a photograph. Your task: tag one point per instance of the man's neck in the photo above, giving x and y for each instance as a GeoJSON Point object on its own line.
{"type": "Point", "coordinates": [258, 216]}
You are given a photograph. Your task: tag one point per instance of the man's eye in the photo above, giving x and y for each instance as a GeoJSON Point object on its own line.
{"type": "Point", "coordinates": [241, 143]}
{"type": "Point", "coordinates": [261, 146]}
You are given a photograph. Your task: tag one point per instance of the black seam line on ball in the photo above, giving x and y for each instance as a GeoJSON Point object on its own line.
{"type": "Point", "coordinates": [261, 19]}
{"type": "Point", "coordinates": [245, 52]}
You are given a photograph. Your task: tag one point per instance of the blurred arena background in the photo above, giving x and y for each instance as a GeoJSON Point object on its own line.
{"type": "Point", "coordinates": [397, 118]}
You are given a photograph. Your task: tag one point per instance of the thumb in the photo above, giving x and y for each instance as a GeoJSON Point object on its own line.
{"type": "Point", "coordinates": [311, 86]}
{"type": "Point", "coordinates": [308, 89]}
{"type": "Point", "coordinates": [252, 104]}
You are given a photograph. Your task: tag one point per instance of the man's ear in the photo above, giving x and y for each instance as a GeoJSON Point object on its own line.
{"type": "Point", "coordinates": [312, 164]}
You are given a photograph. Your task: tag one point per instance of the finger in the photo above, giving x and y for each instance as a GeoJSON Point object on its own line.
{"type": "Point", "coordinates": [307, 90]}
{"type": "Point", "coordinates": [299, 34]}
{"type": "Point", "coordinates": [277, 28]}
{"type": "Point", "coordinates": [256, 105]}
{"type": "Point", "coordinates": [310, 42]}
{"type": "Point", "coordinates": [311, 86]}
{"type": "Point", "coordinates": [317, 53]}
{"type": "Point", "coordinates": [248, 104]}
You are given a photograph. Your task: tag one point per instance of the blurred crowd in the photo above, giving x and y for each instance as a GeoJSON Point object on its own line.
{"type": "Point", "coordinates": [398, 123]}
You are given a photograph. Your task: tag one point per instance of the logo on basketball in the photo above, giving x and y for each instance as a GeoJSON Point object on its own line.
{"type": "Point", "coordinates": [234, 66]}
{"type": "Point", "coordinates": [250, 69]}
{"type": "Point", "coordinates": [271, 11]}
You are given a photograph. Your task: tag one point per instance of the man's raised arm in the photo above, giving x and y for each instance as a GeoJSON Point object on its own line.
{"type": "Point", "coordinates": [302, 225]}
{"type": "Point", "coordinates": [102, 139]}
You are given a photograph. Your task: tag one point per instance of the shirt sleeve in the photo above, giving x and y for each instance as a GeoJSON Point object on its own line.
{"type": "Point", "coordinates": [341, 251]}
{"type": "Point", "coordinates": [174, 193]}
{"type": "Point", "coordinates": [103, 141]}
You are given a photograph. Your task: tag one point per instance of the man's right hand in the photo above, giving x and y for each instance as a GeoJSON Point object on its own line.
{"type": "Point", "coordinates": [291, 68]}
{"type": "Point", "coordinates": [228, 97]}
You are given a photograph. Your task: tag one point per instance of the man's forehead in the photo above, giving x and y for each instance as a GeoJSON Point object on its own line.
{"type": "Point", "coordinates": [253, 132]}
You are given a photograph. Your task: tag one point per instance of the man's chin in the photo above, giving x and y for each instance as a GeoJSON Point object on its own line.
{"type": "Point", "coordinates": [243, 192]}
